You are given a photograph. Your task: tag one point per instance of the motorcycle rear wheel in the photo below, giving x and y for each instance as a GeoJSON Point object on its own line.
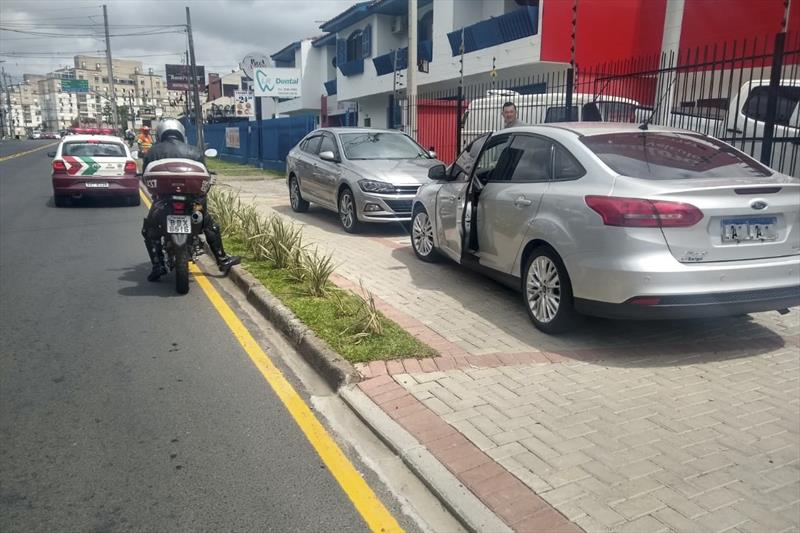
{"type": "Point", "coordinates": [182, 271]}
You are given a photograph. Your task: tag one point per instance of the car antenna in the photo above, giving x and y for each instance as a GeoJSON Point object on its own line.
{"type": "Point", "coordinates": [643, 125]}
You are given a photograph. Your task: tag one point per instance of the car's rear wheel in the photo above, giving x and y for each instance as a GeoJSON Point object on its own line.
{"type": "Point", "coordinates": [298, 204]}
{"type": "Point", "coordinates": [422, 237]}
{"type": "Point", "coordinates": [61, 201]}
{"type": "Point", "coordinates": [547, 292]}
{"type": "Point", "coordinates": [347, 211]}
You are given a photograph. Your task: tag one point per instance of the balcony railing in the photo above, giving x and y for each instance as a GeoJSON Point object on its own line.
{"type": "Point", "coordinates": [330, 87]}
{"type": "Point", "coordinates": [384, 64]}
{"type": "Point", "coordinates": [518, 24]}
{"type": "Point", "coordinates": [351, 68]}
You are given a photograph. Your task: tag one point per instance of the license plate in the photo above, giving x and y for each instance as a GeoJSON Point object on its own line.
{"type": "Point", "coordinates": [179, 224]}
{"type": "Point", "coordinates": [749, 229]}
{"type": "Point", "coordinates": [97, 184]}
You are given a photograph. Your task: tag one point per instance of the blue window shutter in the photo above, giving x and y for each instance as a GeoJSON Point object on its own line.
{"type": "Point", "coordinates": [366, 43]}
{"type": "Point", "coordinates": [341, 52]}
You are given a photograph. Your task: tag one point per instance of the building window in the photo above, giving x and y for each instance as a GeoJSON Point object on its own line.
{"type": "Point", "coordinates": [355, 45]}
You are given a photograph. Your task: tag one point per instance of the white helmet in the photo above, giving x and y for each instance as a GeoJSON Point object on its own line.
{"type": "Point", "coordinates": [170, 128]}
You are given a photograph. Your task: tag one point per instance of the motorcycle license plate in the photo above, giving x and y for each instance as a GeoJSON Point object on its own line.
{"type": "Point", "coordinates": [99, 184]}
{"type": "Point", "coordinates": [179, 224]}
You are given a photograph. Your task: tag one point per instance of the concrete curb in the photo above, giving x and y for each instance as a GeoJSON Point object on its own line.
{"type": "Point", "coordinates": [459, 500]}
{"type": "Point", "coordinates": [329, 364]}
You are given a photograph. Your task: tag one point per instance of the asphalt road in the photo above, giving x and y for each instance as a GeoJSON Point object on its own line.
{"type": "Point", "coordinates": [124, 406]}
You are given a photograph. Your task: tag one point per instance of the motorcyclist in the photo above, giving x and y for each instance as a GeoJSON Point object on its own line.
{"type": "Point", "coordinates": [144, 140]}
{"type": "Point", "coordinates": [171, 143]}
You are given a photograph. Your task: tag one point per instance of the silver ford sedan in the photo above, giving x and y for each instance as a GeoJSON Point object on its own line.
{"type": "Point", "coordinates": [617, 221]}
{"type": "Point", "coordinates": [363, 174]}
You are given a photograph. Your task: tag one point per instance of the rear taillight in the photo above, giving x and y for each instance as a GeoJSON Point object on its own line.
{"type": "Point", "coordinates": [641, 213]}
{"type": "Point", "coordinates": [178, 207]}
{"type": "Point", "coordinates": [130, 167]}
{"type": "Point", "coordinates": [59, 167]}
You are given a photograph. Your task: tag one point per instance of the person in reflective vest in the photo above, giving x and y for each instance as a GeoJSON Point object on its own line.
{"type": "Point", "coordinates": [144, 140]}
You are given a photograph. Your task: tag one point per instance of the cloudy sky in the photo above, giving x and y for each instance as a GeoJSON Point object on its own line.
{"type": "Point", "coordinates": [224, 30]}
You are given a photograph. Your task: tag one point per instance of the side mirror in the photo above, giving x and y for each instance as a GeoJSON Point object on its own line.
{"type": "Point", "coordinates": [437, 173]}
{"type": "Point", "coordinates": [432, 153]}
{"type": "Point", "coordinates": [51, 154]}
{"type": "Point", "coordinates": [211, 152]}
{"type": "Point", "coordinates": [328, 155]}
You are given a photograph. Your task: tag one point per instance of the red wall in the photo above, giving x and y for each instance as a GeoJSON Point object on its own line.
{"type": "Point", "coordinates": [608, 30]}
{"type": "Point", "coordinates": [720, 21]}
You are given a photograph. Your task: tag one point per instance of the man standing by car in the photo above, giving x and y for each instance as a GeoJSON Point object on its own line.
{"type": "Point", "coordinates": [510, 116]}
{"type": "Point", "coordinates": [172, 144]}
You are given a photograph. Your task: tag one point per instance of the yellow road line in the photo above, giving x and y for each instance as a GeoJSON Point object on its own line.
{"type": "Point", "coordinates": [372, 510]}
{"type": "Point", "coordinates": [19, 154]}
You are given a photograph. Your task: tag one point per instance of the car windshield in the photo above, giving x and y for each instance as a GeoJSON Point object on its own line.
{"type": "Point", "coordinates": [93, 149]}
{"type": "Point", "coordinates": [671, 155]}
{"type": "Point", "coordinates": [381, 145]}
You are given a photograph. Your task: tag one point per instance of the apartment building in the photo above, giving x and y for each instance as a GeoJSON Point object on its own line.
{"type": "Point", "coordinates": [359, 65]}
{"type": "Point", "coordinates": [25, 113]}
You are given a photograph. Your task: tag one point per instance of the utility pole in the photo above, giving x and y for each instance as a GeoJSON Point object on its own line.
{"type": "Point", "coordinates": [198, 115]}
{"type": "Point", "coordinates": [6, 109]}
{"type": "Point", "coordinates": [110, 72]}
{"type": "Point", "coordinates": [411, 82]}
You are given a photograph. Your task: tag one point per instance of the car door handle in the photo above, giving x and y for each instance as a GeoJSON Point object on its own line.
{"type": "Point", "coordinates": [450, 199]}
{"type": "Point", "coordinates": [522, 202]}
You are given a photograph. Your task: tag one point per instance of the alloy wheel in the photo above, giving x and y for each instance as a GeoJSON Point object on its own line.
{"type": "Point", "coordinates": [422, 233]}
{"type": "Point", "coordinates": [346, 209]}
{"type": "Point", "coordinates": [543, 289]}
{"type": "Point", "coordinates": [294, 194]}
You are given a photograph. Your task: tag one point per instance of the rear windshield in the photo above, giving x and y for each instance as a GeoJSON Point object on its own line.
{"type": "Point", "coordinates": [93, 149]}
{"type": "Point", "coordinates": [668, 156]}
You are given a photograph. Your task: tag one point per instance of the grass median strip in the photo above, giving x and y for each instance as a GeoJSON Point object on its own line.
{"type": "Point", "coordinates": [273, 251]}
{"type": "Point", "coordinates": [228, 168]}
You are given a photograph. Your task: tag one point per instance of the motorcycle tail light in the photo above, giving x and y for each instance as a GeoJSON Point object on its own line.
{"type": "Point", "coordinates": [59, 167]}
{"type": "Point", "coordinates": [178, 207]}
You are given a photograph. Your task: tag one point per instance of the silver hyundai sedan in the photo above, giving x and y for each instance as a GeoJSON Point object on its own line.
{"type": "Point", "coordinates": [363, 174]}
{"type": "Point", "coordinates": [616, 221]}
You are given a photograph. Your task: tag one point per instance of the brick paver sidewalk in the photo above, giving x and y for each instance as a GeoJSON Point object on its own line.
{"type": "Point", "coordinates": [622, 426]}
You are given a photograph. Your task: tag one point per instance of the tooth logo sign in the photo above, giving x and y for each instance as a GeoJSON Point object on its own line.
{"type": "Point", "coordinates": [264, 81]}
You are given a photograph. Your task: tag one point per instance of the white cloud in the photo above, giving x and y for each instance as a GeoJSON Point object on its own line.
{"type": "Point", "coordinates": [224, 30]}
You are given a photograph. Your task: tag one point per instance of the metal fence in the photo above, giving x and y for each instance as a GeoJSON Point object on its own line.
{"type": "Point", "coordinates": [745, 93]}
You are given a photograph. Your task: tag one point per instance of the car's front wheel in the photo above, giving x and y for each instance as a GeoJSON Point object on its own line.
{"type": "Point", "coordinates": [422, 237]}
{"type": "Point", "coordinates": [547, 292]}
{"type": "Point", "coordinates": [299, 205]}
{"type": "Point", "coordinates": [347, 211]}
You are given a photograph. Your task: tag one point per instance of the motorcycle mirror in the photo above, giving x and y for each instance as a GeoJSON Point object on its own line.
{"type": "Point", "coordinates": [211, 152]}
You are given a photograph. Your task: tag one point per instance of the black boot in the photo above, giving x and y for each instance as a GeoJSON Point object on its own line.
{"type": "Point", "coordinates": [214, 240]}
{"type": "Point", "coordinates": [226, 262]}
{"type": "Point", "coordinates": [158, 270]}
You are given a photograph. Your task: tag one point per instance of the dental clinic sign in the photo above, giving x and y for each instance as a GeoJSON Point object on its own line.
{"type": "Point", "coordinates": [277, 82]}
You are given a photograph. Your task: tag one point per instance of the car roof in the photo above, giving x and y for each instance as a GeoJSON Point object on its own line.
{"type": "Point", "coordinates": [83, 137]}
{"type": "Point", "coordinates": [592, 128]}
{"type": "Point", "coordinates": [357, 130]}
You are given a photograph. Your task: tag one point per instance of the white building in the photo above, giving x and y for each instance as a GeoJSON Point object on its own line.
{"type": "Point", "coordinates": [360, 64]}
{"type": "Point", "coordinates": [25, 113]}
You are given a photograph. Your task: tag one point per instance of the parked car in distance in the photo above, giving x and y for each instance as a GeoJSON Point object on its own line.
{"type": "Point", "coordinates": [363, 174]}
{"type": "Point", "coordinates": [35, 135]}
{"type": "Point", "coordinates": [615, 221]}
{"type": "Point", "coordinates": [93, 166]}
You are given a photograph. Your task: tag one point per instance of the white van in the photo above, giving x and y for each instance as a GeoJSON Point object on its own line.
{"type": "Point", "coordinates": [485, 115]}
{"type": "Point", "coordinates": [739, 120]}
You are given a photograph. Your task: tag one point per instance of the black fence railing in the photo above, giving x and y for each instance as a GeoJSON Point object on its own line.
{"type": "Point", "coordinates": [746, 93]}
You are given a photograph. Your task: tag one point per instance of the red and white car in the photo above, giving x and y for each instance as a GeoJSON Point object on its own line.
{"type": "Point", "coordinates": [93, 166]}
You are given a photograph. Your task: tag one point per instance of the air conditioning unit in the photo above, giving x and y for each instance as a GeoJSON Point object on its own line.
{"type": "Point", "coordinates": [399, 24]}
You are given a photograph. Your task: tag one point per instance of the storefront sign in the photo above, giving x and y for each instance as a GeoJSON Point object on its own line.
{"type": "Point", "coordinates": [277, 82]}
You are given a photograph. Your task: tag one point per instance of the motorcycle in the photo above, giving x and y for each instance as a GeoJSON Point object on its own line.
{"type": "Point", "coordinates": [178, 188]}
